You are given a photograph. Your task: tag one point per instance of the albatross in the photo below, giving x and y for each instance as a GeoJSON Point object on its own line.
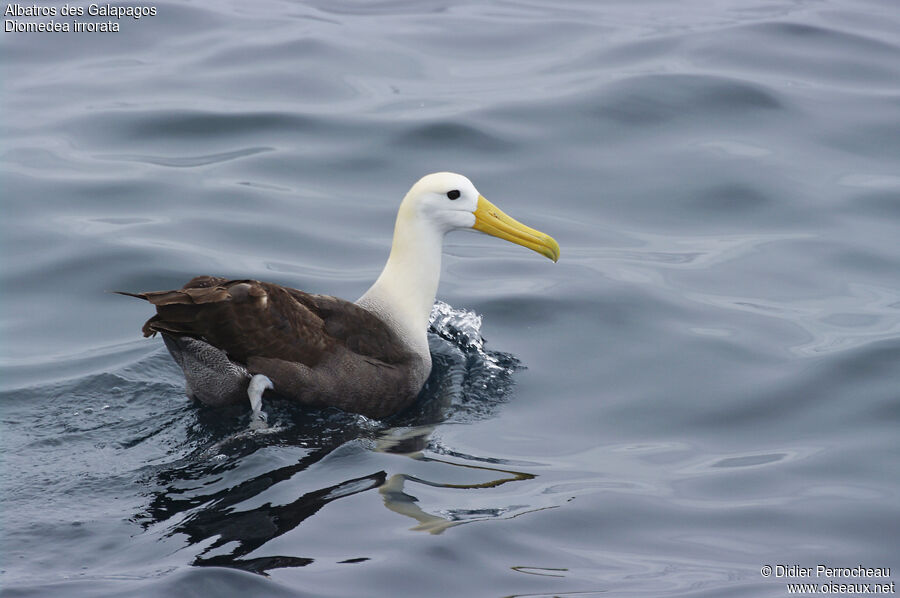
{"type": "Point", "coordinates": [235, 339]}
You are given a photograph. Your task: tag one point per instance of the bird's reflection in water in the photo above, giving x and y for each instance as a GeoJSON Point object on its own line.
{"type": "Point", "coordinates": [191, 500]}
{"type": "Point", "coordinates": [412, 443]}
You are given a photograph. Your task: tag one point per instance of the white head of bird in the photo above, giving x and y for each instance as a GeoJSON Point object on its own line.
{"type": "Point", "coordinates": [446, 201]}
{"type": "Point", "coordinates": [437, 204]}
{"type": "Point", "coordinates": [443, 200]}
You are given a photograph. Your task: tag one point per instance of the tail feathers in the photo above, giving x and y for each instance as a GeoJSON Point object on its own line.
{"type": "Point", "coordinates": [211, 308]}
{"type": "Point", "coordinates": [159, 297]}
{"type": "Point", "coordinates": [157, 324]}
{"type": "Point", "coordinates": [127, 294]}
{"type": "Point", "coordinates": [177, 311]}
{"type": "Point", "coordinates": [191, 296]}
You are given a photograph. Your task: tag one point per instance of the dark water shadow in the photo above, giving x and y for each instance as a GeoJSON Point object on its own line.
{"type": "Point", "coordinates": [467, 383]}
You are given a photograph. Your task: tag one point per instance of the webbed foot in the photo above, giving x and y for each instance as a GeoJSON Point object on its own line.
{"type": "Point", "coordinates": [258, 385]}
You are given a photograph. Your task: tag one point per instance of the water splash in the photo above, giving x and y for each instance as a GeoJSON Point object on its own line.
{"type": "Point", "coordinates": [460, 326]}
{"type": "Point", "coordinates": [467, 380]}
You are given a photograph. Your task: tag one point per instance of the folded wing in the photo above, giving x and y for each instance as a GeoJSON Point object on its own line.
{"type": "Point", "coordinates": [248, 318]}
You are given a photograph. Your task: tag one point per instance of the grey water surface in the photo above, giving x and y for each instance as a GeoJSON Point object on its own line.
{"type": "Point", "coordinates": [707, 382]}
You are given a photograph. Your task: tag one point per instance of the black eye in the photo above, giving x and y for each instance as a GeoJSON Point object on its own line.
{"type": "Point", "coordinates": [453, 194]}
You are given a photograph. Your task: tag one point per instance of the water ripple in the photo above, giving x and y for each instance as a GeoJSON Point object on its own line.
{"type": "Point", "coordinates": [187, 161]}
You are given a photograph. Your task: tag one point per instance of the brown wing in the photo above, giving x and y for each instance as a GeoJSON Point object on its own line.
{"type": "Point", "coordinates": [248, 318]}
{"type": "Point", "coordinates": [357, 329]}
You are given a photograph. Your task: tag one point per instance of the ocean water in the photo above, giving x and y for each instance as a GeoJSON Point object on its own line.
{"type": "Point", "coordinates": [708, 382]}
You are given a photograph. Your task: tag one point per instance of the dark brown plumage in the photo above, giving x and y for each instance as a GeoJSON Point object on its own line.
{"type": "Point", "coordinates": [316, 349]}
